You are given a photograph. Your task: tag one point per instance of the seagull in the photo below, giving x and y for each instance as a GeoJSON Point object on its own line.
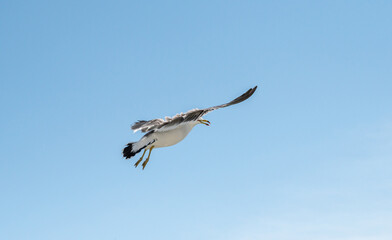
{"type": "Point", "coordinates": [171, 130]}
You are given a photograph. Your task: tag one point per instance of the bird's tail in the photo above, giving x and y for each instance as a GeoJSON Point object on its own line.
{"type": "Point", "coordinates": [134, 148]}
{"type": "Point", "coordinates": [130, 151]}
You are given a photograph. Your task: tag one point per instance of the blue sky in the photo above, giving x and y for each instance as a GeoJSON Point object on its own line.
{"type": "Point", "coordinates": [309, 156]}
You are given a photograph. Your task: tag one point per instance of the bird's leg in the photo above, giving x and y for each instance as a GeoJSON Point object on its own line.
{"type": "Point", "coordinates": [138, 161]}
{"type": "Point", "coordinates": [148, 158]}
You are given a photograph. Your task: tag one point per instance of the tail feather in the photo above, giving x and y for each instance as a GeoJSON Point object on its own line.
{"type": "Point", "coordinates": [130, 151]}
{"type": "Point", "coordinates": [134, 148]}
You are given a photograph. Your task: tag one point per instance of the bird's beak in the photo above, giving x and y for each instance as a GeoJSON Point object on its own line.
{"type": "Point", "coordinates": [205, 122]}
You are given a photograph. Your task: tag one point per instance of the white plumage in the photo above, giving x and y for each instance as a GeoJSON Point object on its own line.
{"type": "Point", "coordinates": [172, 130]}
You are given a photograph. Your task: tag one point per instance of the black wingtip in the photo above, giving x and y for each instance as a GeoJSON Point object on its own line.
{"type": "Point", "coordinates": [251, 91]}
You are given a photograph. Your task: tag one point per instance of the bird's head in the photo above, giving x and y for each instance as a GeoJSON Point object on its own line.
{"type": "Point", "coordinates": [205, 122]}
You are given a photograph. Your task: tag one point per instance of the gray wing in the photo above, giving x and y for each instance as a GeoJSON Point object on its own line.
{"type": "Point", "coordinates": [192, 115]}
{"type": "Point", "coordinates": [196, 114]}
{"type": "Point", "coordinates": [241, 98]}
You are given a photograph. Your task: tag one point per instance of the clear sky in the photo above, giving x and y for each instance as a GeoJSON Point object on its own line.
{"type": "Point", "coordinates": [308, 156]}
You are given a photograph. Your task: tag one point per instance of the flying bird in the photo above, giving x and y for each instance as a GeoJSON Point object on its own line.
{"type": "Point", "coordinates": [171, 130]}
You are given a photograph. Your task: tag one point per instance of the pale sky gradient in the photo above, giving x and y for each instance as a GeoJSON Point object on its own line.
{"type": "Point", "coordinates": [308, 156]}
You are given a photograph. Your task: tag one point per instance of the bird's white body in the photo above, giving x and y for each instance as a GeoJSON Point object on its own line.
{"type": "Point", "coordinates": [170, 137]}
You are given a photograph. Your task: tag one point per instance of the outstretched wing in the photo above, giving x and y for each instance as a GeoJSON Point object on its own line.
{"type": "Point", "coordinates": [241, 98]}
{"type": "Point", "coordinates": [192, 115]}
{"type": "Point", "coordinates": [195, 114]}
